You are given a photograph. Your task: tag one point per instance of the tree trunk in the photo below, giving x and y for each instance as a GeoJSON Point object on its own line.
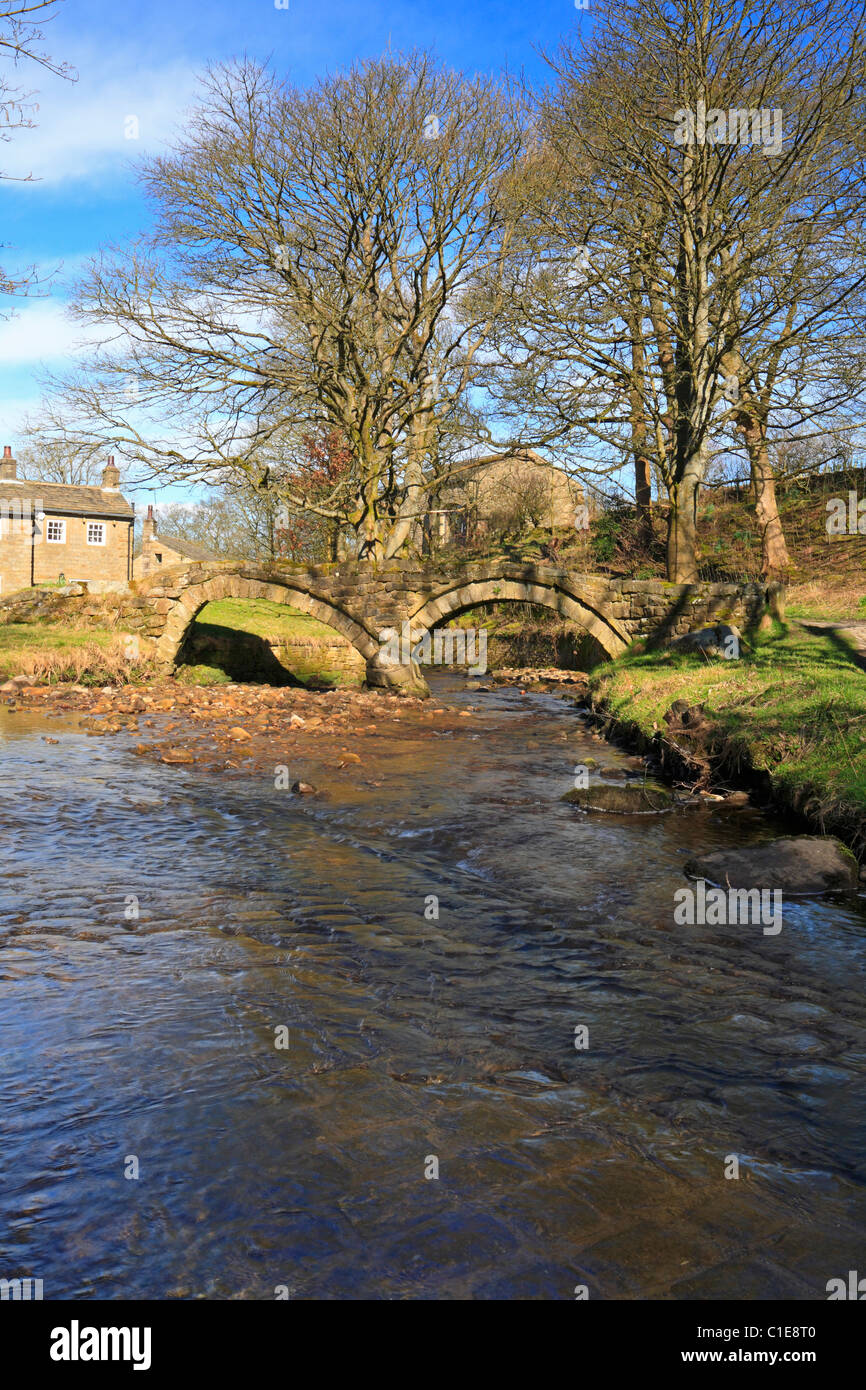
{"type": "Point", "coordinates": [642, 485]}
{"type": "Point", "coordinates": [371, 549]}
{"type": "Point", "coordinates": [406, 519]}
{"type": "Point", "coordinates": [775, 560]}
{"type": "Point", "coordinates": [682, 549]}
{"type": "Point", "coordinates": [643, 497]}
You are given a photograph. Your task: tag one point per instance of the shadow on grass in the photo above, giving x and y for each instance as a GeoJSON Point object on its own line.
{"type": "Point", "coordinates": [242, 656]}
{"type": "Point", "coordinates": [833, 635]}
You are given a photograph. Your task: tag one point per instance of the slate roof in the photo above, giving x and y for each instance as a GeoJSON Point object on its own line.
{"type": "Point", "coordinates": [186, 548]}
{"type": "Point", "coordinates": [66, 499]}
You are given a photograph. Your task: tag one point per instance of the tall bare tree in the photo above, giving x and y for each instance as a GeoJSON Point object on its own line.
{"type": "Point", "coordinates": [310, 251]}
{"type": "Point", "coordinates": [697, 147]}
{"type": "Point", "coordinates": [51, 450]}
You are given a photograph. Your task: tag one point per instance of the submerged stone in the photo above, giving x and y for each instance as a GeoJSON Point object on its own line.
{"type": "Point", "coordinates": [628, 798]}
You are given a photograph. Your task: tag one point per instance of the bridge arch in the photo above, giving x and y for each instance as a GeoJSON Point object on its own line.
{"type": "Point", "coordinates": [574, 607]}
{"type": "Point", "coordinates": [193, 599]}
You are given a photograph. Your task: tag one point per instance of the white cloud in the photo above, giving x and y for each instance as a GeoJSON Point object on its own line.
{"type": "Point", "coordinates": [42, 331]}
{"type": "Point", "coordinates": [81, 129]}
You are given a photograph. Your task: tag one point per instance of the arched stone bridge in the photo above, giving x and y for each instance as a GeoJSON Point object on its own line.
{"type": "Point", "coordinates": [362, 603]}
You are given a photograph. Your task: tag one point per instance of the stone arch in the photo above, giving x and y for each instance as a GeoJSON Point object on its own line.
{"type": "Point", "coordinates": [233, 585]}
{"type": "Point", "coordinates": [610, 635]}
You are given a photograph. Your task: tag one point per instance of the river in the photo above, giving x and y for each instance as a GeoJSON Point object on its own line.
{"type": "Point", "coordinates": [413, 1042]}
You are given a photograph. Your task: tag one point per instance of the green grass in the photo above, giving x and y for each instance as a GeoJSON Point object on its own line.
{"type": "Point", "coordinates": [50, 652]}
{"type": "Point", "coordinates": [793, 706]}
{"type": "Point", "coordinates": [281, 623]}
{"type": "Point", "coordinates": [31, 647]}
{"type": "Point", "coordinates": [16, 637]}
{"type": "Point", "coordinates": [265, 619]}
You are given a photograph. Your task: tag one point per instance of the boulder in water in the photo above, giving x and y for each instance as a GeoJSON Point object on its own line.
{"type": "Point", "coordinates": [803, 865]}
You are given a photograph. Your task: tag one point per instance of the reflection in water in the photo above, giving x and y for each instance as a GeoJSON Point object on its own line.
{"type": "Point", "coordinates": [408, 1037]}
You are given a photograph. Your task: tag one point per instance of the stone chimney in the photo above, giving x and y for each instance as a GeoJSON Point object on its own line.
{"type": "Point", "coordinates": [8, 465]}
{"type": "Point", "coordinates": [111, 476]}
{"type": "Point", "coordinates": [148, 527]}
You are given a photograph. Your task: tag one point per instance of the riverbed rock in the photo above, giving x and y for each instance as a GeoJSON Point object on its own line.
{"type": "Point", "coordinates": [804, 865]}
{"type": "Point", "coordinates": [626, 799]}
{"type": "Point", "coordinates": [178, 757]}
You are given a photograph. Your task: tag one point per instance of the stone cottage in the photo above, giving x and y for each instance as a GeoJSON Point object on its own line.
{"type": "Point", "coordinates": [519, 492]}
{"type": "Point", "coordinates": [159, 551]}
{"type": "Point", "coordinates": [53, 531]}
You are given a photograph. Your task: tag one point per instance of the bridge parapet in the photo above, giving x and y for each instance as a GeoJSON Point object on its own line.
{"type": "Point", "coordinates": [361, 602]}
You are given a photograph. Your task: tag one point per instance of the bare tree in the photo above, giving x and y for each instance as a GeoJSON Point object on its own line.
{"type": "Point", "coordinates": [310, 252]}
{"type": "Point", "coordinates": [695, 149]}
{"type": "Point", "coordinates": [804, 367]}
{"type": "Point", "coordinates": [21, 38]}
{"type": "Point", "coordinates": [55, 453]}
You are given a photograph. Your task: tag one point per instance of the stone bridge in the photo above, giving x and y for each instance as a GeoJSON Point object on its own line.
{"type": "Point", "coordinates": [362, 603]}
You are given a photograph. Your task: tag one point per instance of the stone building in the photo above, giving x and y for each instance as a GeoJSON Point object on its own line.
{"type": "Point", "coordinates": [60, 531]}
{"type": "Point", "coordinates": [517, 493]}
{"type": "Point", "coordinates": [159, 551]}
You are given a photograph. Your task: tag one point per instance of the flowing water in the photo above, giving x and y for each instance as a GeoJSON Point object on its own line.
{"type": "Point", "coordinates": [306, 1170]}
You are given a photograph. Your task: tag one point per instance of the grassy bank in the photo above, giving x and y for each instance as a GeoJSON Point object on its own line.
{"type": "Point", "coordinates": [787, 718]}
{"type": "Point", "coordinates": [49, 652]}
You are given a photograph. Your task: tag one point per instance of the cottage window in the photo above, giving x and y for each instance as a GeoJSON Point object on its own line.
{"type": "Point", "coordinates": [95, 533]}
{"type": "Point", "coordinates": [55, 532]}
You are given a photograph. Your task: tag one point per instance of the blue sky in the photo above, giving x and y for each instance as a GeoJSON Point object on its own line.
{"type": "Point", "coordinates": [141, 60]}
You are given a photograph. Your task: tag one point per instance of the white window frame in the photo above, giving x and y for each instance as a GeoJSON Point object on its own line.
{"type": "Point", "coordinates": [103, 532]}
{"type": "Point", "coordinates": [55, 521]}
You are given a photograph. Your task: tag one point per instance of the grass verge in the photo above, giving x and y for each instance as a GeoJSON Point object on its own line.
{"type": "Point", "coordinates": [50, 652]}
{"type": "Point", "coordinates": [788, 718]}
